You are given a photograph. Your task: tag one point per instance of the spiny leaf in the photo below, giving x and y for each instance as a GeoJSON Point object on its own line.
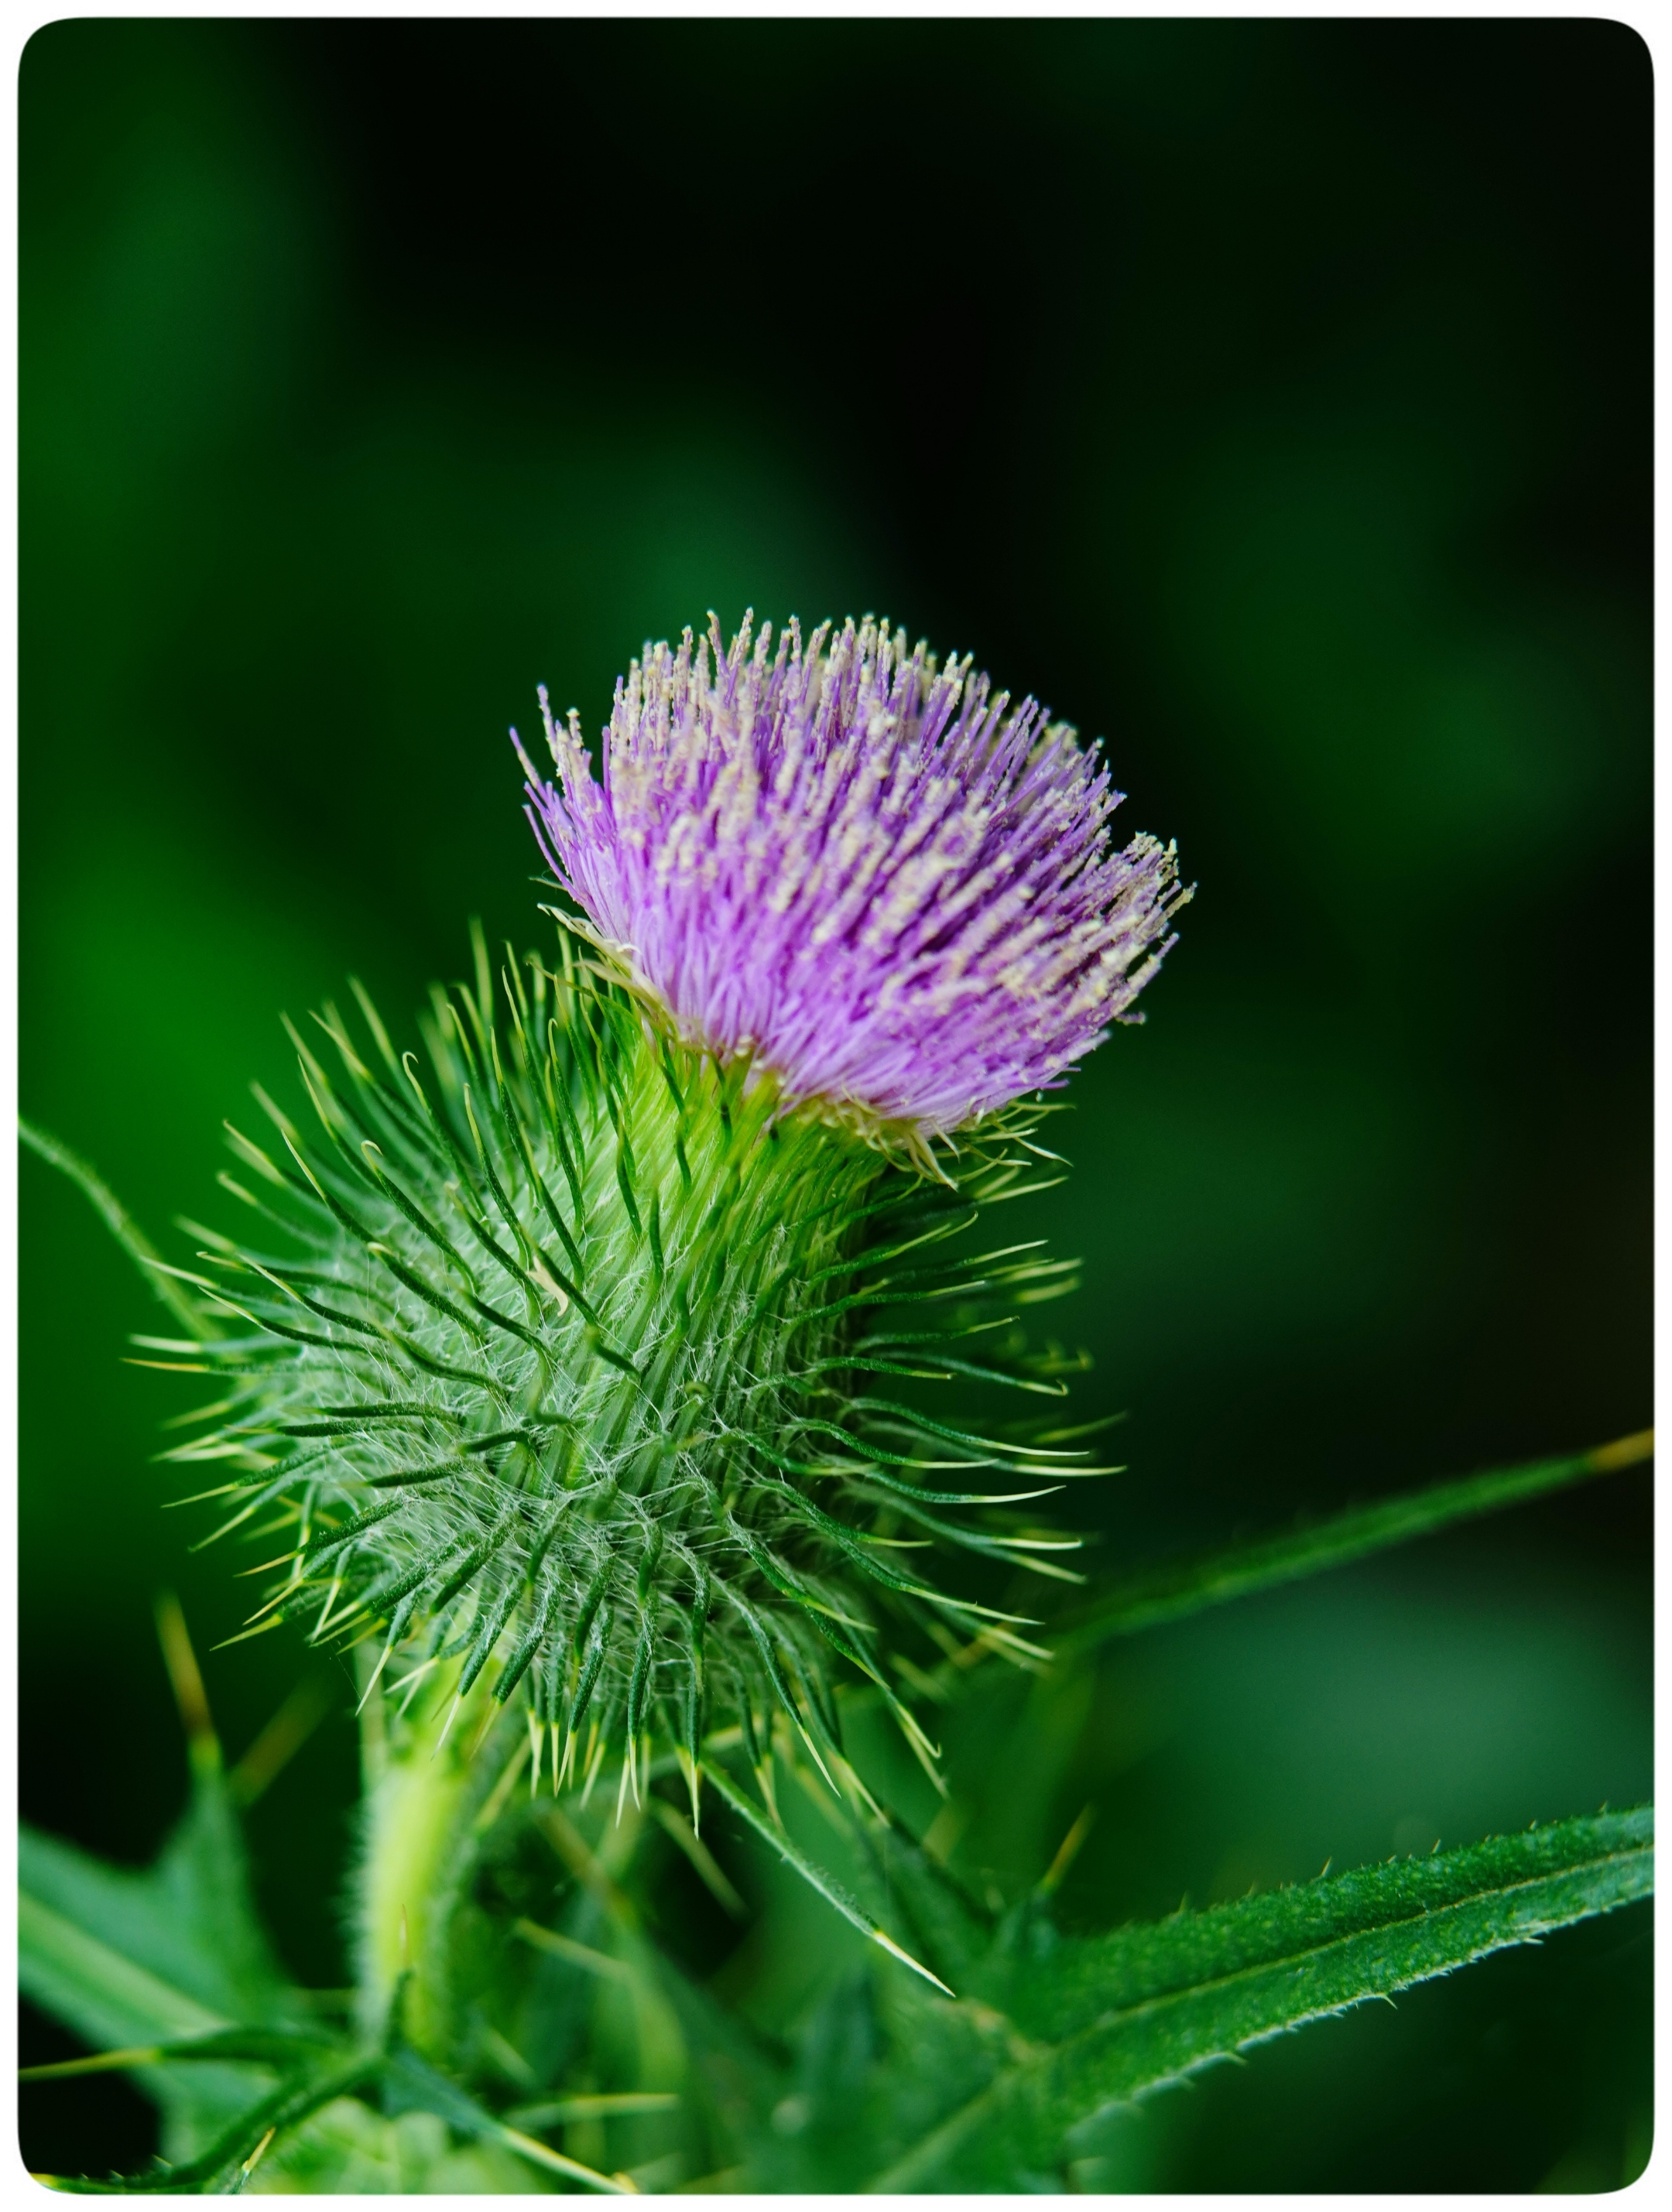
{"type": "Point", "coordinates": [1118, 2015]}
{"type": "Point", "coordinates": [296, 2098]}
{"type": "Point", "coordinates": [1172, 1592]}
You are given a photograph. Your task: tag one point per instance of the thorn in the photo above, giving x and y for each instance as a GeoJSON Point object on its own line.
{"type": "Point", "coordinates": [414, 1678]}
{"type": "Point", "coordinates": [1325, 1868]}
{"type": "Point", "coordinates": [498, 1796]}
{"type": "Point", "coordinates": [255, 2157]}
{"type": "Point", "coordinates": [266, 1566]}
{"type": "Point", "coordinates": [282, 1739]}
{"type": "Point", "coordinates": [596, 1748]}
{"type": "Point", "coordinates": [693, 1775]}
{"type": "Point", "coordinates": [331, 1596]}
{"type": "Point", "coordinates": [905, 1958]}
{"type": "Point", "coordinates": [377, 1670]}
{"type": "Point", "coordinates": [812, 1747]}
{"type": "Point", "coordinates": [244, 1635]}
{"type": "Point", "coordinates": [764, 1777]}
{"type": "Point", "coordinates": [190, 1696]}
{"type": "Point", "coordinates": [852, 1782]}
{"type": "Point", "coordinates": [1067, 1852]}
{"type": "Point", "coordinates": [452, 1716]}
{"type": "Point", "coordinates": [488, 1719]}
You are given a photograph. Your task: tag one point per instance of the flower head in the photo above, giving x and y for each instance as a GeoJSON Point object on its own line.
{"type": "Point", "coordinates": [872, 875]}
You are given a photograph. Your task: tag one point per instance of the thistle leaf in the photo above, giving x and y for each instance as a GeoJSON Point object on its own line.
{"type": "Point", "coordinates": [126, 1959]}
{"type": "Point", "coordinates": [1120, 2014]}
{"type": "Point", "coordinates": [1170, 1592]}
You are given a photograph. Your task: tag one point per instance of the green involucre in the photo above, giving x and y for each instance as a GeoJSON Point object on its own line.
{"type": "Point", "coordinates": [551, 1365]}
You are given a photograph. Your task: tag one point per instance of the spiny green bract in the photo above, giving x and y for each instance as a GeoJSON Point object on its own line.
{"type": "Point", "coordinates": [559, 1368]}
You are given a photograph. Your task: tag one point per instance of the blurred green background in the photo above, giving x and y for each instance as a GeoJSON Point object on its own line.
{"type": "Point", "coordinates": [1275, 401]}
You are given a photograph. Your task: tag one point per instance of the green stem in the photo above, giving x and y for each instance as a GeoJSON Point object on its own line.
{"type": "Point", "coordinates": [422, 1790]}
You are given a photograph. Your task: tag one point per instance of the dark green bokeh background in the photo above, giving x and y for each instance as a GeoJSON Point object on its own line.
{"type": "Point", "coordinates": [1275, 400]}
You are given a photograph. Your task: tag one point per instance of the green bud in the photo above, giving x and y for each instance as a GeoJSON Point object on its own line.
{"type": "Point", "coordinates": [562, 1362]}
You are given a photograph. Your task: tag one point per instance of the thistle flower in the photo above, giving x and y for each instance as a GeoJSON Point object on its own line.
{"type": "Point", "coordinates": [872, 877]}
{"type": "Point", "coordinates": [567, 1370]}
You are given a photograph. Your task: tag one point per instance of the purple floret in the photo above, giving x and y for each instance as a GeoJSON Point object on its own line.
{"type": "Point", "coordinates": [871, 875]}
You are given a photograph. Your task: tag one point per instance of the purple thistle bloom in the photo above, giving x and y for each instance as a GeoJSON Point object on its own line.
{"type": "Point", "coordinates": [869, 874]}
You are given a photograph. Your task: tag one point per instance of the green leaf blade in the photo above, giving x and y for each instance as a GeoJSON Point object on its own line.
{"type": "Point", "coordinates": [94, 1990]}
{"type": "Point", "coordinates": [126, 1957]}
{"type": "Point", "coordinates": [1178, 1995]}
{"type": "Point", "coordinates": [1174, 1591]}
